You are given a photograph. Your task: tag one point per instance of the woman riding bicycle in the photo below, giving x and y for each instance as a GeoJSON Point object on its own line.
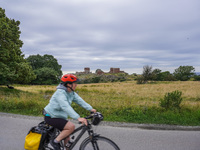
{"type": "Point", "coordinates": [59, 108]}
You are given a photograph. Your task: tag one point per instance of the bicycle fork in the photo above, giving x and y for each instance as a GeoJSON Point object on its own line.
{"type": "Point", "coordinates": [93, 139]}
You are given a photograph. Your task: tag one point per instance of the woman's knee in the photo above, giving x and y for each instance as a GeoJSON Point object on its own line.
{"type": "Point", "coordinates": [69, 126]}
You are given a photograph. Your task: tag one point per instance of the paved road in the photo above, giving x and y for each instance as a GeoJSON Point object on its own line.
{"type": "Point", "coordinates": [14, 129]}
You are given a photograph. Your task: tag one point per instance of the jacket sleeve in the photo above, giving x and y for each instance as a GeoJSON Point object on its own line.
{"type": "Point", "coordinates": [66, 107]}
{"type": "Point", "coordinates": [81, 102]}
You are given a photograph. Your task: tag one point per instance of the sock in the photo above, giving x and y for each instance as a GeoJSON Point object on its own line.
{"type": "Point", "coordinates": [55, 141]}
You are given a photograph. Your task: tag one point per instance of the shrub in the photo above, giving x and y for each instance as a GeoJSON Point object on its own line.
{"type": "Point", "coordinates": [140, 80]}
{"type": "Point", "coordinates": [171, 101]}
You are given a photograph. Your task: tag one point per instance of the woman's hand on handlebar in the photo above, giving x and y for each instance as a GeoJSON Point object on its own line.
{"type": "Point", "coordinates": [83, 121]}
{"type": "Point", "coordinates": [93, 110]}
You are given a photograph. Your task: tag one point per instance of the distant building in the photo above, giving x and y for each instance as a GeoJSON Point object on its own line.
{"type": "Point", "coordinates": [86, 71]}
{"type": "Point", "coordinates": [99, 71]}
{"type": "Point", "coordinates": [115, 70]}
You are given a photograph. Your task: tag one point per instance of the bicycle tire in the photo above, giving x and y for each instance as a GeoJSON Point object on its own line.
{"type": "Point", "coordinates": [98, 143]}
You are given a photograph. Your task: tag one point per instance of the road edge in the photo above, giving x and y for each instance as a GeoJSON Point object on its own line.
{"type": "Point", "coordinates": [118, 124]}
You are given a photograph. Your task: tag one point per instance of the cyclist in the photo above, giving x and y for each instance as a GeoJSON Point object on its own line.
{"type": "Point", "coordinates": [59, 108]}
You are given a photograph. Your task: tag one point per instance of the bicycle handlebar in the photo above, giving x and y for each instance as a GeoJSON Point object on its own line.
{"type": "Point", "coordinates": [96, 118]}
{"type": "Point", "coordinates": [88, 117]}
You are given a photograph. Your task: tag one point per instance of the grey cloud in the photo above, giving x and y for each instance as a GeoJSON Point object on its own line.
{"type": "Point", "coordinates": [115, 33]}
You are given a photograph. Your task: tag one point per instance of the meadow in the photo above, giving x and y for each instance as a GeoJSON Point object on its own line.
{"type": "Point", "coordinates": [118, 101]}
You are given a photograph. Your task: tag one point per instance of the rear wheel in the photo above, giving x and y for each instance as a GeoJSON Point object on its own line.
{"type": "Point", "coordinates": [98, 143]}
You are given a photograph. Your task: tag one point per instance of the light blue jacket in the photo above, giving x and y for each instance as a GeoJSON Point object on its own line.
{"type": "Point", "coordinates": [60, 104]}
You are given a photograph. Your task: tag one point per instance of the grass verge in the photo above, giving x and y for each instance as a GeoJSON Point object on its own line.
{"type": "Point", "coordinates": [132, 103]}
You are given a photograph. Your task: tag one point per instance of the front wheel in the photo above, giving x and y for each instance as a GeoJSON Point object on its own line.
{"type": "Point", "coordinates": [98, 143]}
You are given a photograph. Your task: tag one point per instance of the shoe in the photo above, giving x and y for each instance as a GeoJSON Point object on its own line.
{"type": "Point", "coordinates": [56, 146]}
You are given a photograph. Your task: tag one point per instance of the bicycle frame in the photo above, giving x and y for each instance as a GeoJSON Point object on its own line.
{"type": "Point", "coordinates": [91, 140]}
{"type": "Point", "coordinates": [84, 128]}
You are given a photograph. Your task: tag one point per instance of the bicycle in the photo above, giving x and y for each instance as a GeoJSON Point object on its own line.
{"type": "Point", "coordinates": [94, 141]}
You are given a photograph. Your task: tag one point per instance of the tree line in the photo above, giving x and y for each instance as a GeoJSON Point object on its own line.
{"type": "Point", "coordinates": [149, 75]}
{"type": "Point", "coordinates": [182, 73]}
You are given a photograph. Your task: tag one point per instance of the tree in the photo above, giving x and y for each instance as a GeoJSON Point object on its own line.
{"type": "Point", "coordinates": [99, 71]}
{"type": "Point", "coordinates": [156, 74]}
{"type": "Point", "coordinates": [184, 73]}
{"type": "Point", "coordinates": [13, 66]}
{"type": "Point", "coordinates": [166, 76]}
{"type": "Point", "coordinates": [36, 61]}
{"type": "Point", "coordinates": [46, 68]}
{"type": "Point", "coordinates": [45, 76]}
{"type": "Point", "coordinates": [147, 73]}
{"type": "Point", "coordinates": [51, 62]}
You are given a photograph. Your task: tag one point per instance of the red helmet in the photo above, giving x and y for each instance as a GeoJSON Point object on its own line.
{"type": "Point", "coordinates": [69, 78]}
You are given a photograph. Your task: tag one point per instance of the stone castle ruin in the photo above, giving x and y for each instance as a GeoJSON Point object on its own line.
{"type": "Point", "coordinates": [99, 71]}
{"type": "Point", "coordinates": [86, 71]}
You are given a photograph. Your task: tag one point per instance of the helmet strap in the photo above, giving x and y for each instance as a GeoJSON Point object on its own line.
{"type": "Point", "coordinates": [70, 88]}
{"type": "Point", "coordinates": [65, 84]}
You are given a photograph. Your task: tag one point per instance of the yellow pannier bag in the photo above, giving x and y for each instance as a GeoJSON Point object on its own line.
{"type": "Point", "coordinates": [36, 136]}
{"type": "Point", "coordinates": [32, 141]}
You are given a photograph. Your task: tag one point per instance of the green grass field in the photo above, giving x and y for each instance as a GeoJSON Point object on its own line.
{"type": "Point", "coordinates": [119, 101]}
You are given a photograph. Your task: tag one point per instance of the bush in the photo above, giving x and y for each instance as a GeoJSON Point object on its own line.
{"type": "Point", "coordinates": [140, 80]}
{"type": "Point", "coordinates": [171, 100]}
{"type": "Point", "coordinates": [197, 78]}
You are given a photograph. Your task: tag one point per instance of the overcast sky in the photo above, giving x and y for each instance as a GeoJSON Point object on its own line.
{"type": "Point", "coordinates": [125, 34]}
